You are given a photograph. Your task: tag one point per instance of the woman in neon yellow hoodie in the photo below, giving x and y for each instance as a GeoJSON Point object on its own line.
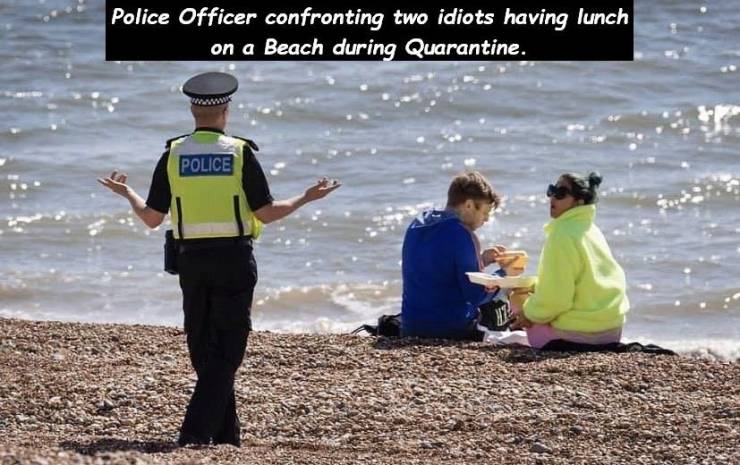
{"type": "Point", "coordinates": [580, 294]}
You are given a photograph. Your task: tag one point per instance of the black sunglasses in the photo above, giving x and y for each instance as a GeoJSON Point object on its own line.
{"type": "Point", "coordinates": [559, 192]}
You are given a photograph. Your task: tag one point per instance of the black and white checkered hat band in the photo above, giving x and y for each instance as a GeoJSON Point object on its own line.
{"type": "Point", "coordinates": [210, 101]}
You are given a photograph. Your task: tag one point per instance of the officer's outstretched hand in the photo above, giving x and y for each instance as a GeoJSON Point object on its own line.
{"type": "Point", "coordinates": [117, 183]}
{"type": "Point", "coordinates": [322, 188]}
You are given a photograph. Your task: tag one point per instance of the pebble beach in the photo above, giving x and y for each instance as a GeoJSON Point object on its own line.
{"type": "Point", "coordinates": [75, 393]}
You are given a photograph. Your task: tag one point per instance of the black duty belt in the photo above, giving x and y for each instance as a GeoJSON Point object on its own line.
{"type": "Point", "coordinates": [190, 245]}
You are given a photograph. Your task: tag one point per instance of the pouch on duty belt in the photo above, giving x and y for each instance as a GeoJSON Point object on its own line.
{"type": "Point", "coordinates": [170, 252]}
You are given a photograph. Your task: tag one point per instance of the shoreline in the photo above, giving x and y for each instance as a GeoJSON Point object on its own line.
{"type": "Point", "coordinates": [714, 349]}
{"type": "Point", "coordinates": [110, 393]}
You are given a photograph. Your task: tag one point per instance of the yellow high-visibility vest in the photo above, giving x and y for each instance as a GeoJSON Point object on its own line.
{"type": "Point", "coordinates": [208, 200]}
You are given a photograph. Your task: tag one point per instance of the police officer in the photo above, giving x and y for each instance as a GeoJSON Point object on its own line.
{"type": "Point", "coordinates": [218, 199]}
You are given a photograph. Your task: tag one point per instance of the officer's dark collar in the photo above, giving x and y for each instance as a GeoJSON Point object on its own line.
{"type": "Point", "coordinates": [207, 129]}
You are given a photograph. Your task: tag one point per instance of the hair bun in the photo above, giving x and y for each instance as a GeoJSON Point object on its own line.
{"type": "Point", "coordinates": [594, 179]}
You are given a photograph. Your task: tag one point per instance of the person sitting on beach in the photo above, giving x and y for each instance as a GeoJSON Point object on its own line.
{"type": "Point", "coordinates": [580, 295]}
{"type": "Point", "coordinates": [440, 246]}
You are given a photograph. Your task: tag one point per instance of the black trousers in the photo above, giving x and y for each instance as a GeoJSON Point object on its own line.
{"type": "Point", "coordinates": [217, 286]}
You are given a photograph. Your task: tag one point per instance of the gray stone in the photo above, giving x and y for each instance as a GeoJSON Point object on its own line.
{"type": "Point", "coordinates": [540, 448]}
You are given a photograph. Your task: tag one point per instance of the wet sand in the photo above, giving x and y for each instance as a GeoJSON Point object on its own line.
{"type": "Point", "coordinates": [88, 394]}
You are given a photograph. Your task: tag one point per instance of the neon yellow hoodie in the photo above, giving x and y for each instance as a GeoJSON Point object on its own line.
{"type": "Point", "coordinates": [580, 287]}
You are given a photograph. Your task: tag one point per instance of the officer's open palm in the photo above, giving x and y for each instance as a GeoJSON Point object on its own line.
{"type": "Point", "coordinates": [116, 182]}
{"type": "Point", "coordinates": [322, 188]}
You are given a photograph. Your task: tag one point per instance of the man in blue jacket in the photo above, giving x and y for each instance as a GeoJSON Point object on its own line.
{"type": "Point", "coordinates": [439, 248]}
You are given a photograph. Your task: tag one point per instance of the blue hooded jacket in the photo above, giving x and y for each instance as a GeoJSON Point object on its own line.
{"type": "Point", "coordinates": [438, 298]}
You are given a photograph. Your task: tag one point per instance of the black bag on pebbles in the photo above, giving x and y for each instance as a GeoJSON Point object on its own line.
{"type": "Point", "coordinates": [388, 326]}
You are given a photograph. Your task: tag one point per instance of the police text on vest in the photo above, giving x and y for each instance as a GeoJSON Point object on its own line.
{"type": "Point", "coordinates": [207, 164]}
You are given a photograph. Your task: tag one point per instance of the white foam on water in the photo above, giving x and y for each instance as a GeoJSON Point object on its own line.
{"type": "Point", "coordinates": [362, 300]}
{"type": "Point", "coordinates": [319, 325]}
{"type": "Point", "coordinates": [324, 309]}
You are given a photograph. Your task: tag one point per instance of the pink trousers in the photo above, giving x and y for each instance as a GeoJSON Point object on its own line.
{"type": "Point", "coordinates": [539, 335]}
